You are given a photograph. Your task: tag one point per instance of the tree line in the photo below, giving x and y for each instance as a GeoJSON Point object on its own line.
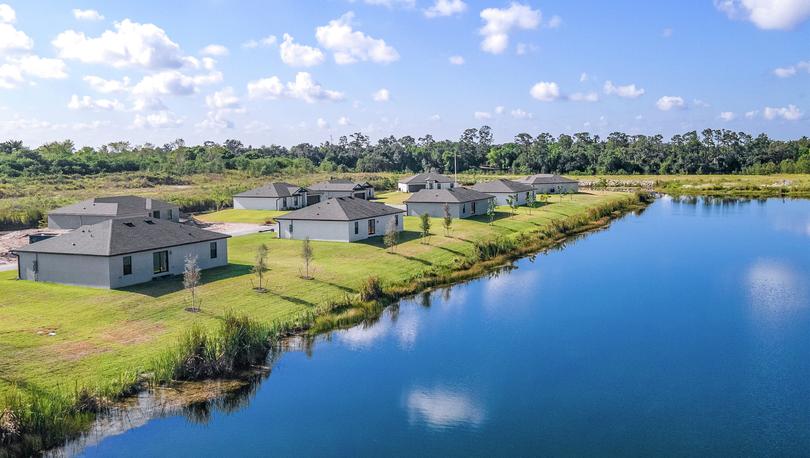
{"type": "Point", "coordinates": [708, 152]}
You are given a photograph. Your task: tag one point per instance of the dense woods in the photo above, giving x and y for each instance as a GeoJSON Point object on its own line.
{"type": "Point", "coordinates": [707, 152]}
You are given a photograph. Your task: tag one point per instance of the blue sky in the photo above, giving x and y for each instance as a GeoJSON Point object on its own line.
{"type": "Point", "coordinates": [293, 71]}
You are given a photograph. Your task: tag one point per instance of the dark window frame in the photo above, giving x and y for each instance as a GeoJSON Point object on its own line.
{"type": "Point", "coordinates": [160, 262]}
{"type": "Point", "coordinates": [372, 226]}
{"type": "Point", "coordinates": [156, 214]}
{"type": "Point", "coordinates": [213, 250]}
{"type": "Point", "coordinates": [127, 265]}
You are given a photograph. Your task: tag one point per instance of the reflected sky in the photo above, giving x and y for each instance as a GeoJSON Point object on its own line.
{"type": "Point", "coordinates": [442, 408]}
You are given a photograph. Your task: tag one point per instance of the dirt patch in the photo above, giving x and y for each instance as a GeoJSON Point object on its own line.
{"type": "Point", "coordinates": [133, 332]}
{"type": "Point", "coordinates": [74, 351]}
{"type": "Point", "coordinates": [17, 239]}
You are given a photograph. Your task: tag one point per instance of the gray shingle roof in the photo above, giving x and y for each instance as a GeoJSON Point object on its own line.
{"type": "Point", "coordinates": [502, 185]}
{"type": "Point", "coordinates": [114, 206]}
{"type": "Point", "coordinates": [121, 236]}
{"type": "Point", "coordinates": [424, 177]}
{"type": "Point", "coordinates": [341, 209]}
{"type": "Point", "coordinates": [338, 185]}
{"type": "Point", "coordinates": [546, 178]}
{"type": "Point", "coordinates": [455, 195]}
{"type": "Point", "coordinates": [273, 190]}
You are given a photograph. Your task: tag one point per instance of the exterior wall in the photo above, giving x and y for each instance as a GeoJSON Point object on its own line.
{"type": "Point", "coordinates": [164, 214]}
{"type": "Point", "coordinates": [335, 231]}
{"type": "Point", "coordinates": [556, 188]}
{"type": "Point", "coordinates": [108, 272]}
{"type": "Point", "coordinates": [436, 210]}
{"type": "Point", "coordinates": [332, 194]}
{"type": "Point", "coordinates": [59, 221]}
{"type": "Point", "coordinates": [500, 197]}
{"type": "Point", "coordinates": [68, 269]}
{"type": "Point", "coordinates": [269, 203]}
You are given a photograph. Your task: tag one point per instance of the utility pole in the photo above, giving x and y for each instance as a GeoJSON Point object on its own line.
{"type": "Point", "coordinates": [455, 168]}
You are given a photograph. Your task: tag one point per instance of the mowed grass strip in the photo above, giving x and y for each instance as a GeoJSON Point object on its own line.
{"type": "Point", "coordinates": [240, 216]}
{"type": "Point", "coordinates": [100, 334]}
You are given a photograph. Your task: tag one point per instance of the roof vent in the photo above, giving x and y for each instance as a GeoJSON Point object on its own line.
{"type": "Point", "coordinates": [129, 224]}
{"type": "Point", "coordinates": [148, 221]}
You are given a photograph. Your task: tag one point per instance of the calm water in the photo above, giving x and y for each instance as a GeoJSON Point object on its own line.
{"type": "Point", "coordinates": [682, 331]}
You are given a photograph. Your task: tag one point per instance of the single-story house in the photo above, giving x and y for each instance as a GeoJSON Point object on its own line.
{"type": "Point", "coordinates": [551, 184]}
{"type": "Point", "coordinates": [502, 189]}
{"type": "Point", "coordinates": [462, 202]}
{"type": "Point", "coordinates": [425, 181]}
{"type": "Point", "coordinates": [120, 252]}
{"type": "Point", "coordinates": [341, 219]}
{"type": "Point", "coordinates": [339, 188]}
{"type": "Point", "coordinates": [98, 209]}
{"type": "Point", "coordinates": [272, 196]}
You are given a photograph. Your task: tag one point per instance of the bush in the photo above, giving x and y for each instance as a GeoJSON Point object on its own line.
{"type": "Point", "coordinates": [371, 289]}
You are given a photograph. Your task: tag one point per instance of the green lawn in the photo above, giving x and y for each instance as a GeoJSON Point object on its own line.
{"type": "Point", "coordinates": [392, 197]}
{"type": "Point", "coordinates": [100, 333]}
{"type": "Point", "coordinates": [240, 216]}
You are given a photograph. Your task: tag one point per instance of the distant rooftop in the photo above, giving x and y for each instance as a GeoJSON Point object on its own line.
{"type": "Point", "coordinates": [425, 177]}
{"type": "Point", "coordinates": [280, 189]}
{"type": "Point", "coordinates": [341, 209]}
{"type": "Point", "coordinates": [502, 185]}
{"type": "Point", "coordinates": [546, 178]}
{"type": "Point", "coordinates": [455, 195]}
{"type": "Point", "coordinates": [115, 206]}
{"type": "Point", "coordinates": [338, 184]}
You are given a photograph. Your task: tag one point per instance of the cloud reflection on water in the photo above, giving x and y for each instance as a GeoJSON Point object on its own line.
{"type": "Point", "coordinates": [776, 289]}
{"type": "Point", "coordinates": [441, 408]}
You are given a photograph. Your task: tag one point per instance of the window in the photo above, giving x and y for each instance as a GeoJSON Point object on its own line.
{"type": "Point", "coordinates": [160, 262]}
{"type": "Point", "coordinates": [473, 207]}
{"type": "Point", "coordinates": [156, 214]}
{"type": "Point", "coordinates": [396, 220]}
{"type": "Point", "coordinates": [464, 209]}
{"type": "Point", "coordinates": [127, 265]}
{"type": "Point", "coordinates": [213, 249]}
{"type": "Point", "coordinates": [291, 227]}
{"type": "Point", "coordinates": [372, 226]}
{"type": "Point", "coordinates": [170, 214]}
{"type": "Point", "coordinates": [356, 227]}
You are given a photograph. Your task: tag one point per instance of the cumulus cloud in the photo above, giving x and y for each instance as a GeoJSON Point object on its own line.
{"type": "Point", "coordinates": [440, 408]}
{"type": "Point", "coordinates": [788, 113]}
{"type": "Point", "coordinates": [173, 82]}
{"type": "Point", "coordinates": [87, 15]}
{"type": "Point", "coordinates": [517, 113]}
{"type": "Point", "coordinates": [482, 115]}
{"type": "Point", "coordinates": [131, 44]}
{"type": "Point", "coordinates": [545, 91]}
{"type": "Point", "coordinates": [214, 50]}
{"type": "Point", "coordinates": [106, 86]}
{"type": "Point", "coordinates": [767, 14]}
{"type": "Point", "coordinates": [88, 103]}
{"type": "Point", "coordinates": [7, 13]}
{"type": "Point", "coordinates": [266, 42]}
{"type": "Point", "coordinates": [381, 96]}
{"type": "Point", "coordinates": [13, 40]}
{"type": "Point", "coordinates": [392, 3]}
{"type": "Point", "coordinates": [456, 60]}
{"type": "Point", "coordinates": [349, 46]}
{"type": "Point", "coordinates": [584, 97]}
{"type": "Point", "coordinates": [670, 102]}
{"type": "Point", "coordinates": [728, 116]}
{"type": "Point", "coordinates": [344, 121]}
{"type": "Point", "coordinates": [224, 99]}
{"type": "Point", "coordinates": [297, 55]}
{"type": "Point", "coordinates": [302, 88]}
{"type": "Point", "coordinates": [445, 8]}
{"type": "Point", "coordinates": [500, 109]}
{"type": "Point", "coordinates": [160, 120]}
{"type": "Point", "coordinates": [498, 23]}
{"type": "Point", "coordinates": [40, 67]}
{"type": "Point", "coordinates": [792, 70]}
{"type": "Point", "coordinates": [629, 91]}
{"type": "Point", "coordinates": [322, 124]}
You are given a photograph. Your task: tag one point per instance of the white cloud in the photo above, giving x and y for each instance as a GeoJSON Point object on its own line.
{"type": "Point", "coordinates": [583, 77]}
{"type": "Point", "coordinates": [435, 117]}
{"type": "Point", "coordinates": [789, 113]}
{"type": "Point", "coordinates": [520, 114]}
{"type": "Point", "coordinates": [131, 45]}
{"type": "Point", "coordinates": [500, 109]}
{"type": "Point", "coordinates": [391, 3]}
{"type": "Point", "coordinates": [303, 88]}
{"type": "Point", "coordinates": [41, 67]}
{"type": "Point", "coordinates": [214, 50]}
{"type": "Point", "coordinates": [792, 70]}
{"type": "Point", "coordinates": [545, 91]}
{"type": "Point", "coordinates": [523, 48]}
{"type": "Point", "coordinates": [456, 60]}
{"type": "Point", "coordinates": [10, 76]}
{"type": "Point", "coordinates": [12, 40]}
{"type": "Point", "coordinates": [322, 124]}
{"type": "Point", "coordinates": [440, 408]}
{"type": "Point", "coordinates": [381, 96]}
{"type": "Point", "coordinates": [7, 13]}
{"type": "Point", "coordinates": [554, 22]}
{"type": "Point", "coordinates": [224, 99]}
{"type": "Point", "coordinates": [728, 116]}
{"type": "Point", "coordinates": [499, 22]}
{"type": "Point", "coordinates": [445, 8]}
{"type": "Point", "coordinates": [266, 42]}
{"type": "Point", "coordinates": [106, 86]}
{"type": "Point", "coordinates": [751, 114]}
{"type": "Point", "coordinates": [88, 103]}
{"type": "Point", "coordinates": [173, 82]}
{"type": "Point", "coordinates": [215, 120]}
{"type": "Point", "coordinates": [87, 15]}
{"type": "Point", "coordinates": [349, 46]}
{"type": "Point", "coordinates": [344, 121]}
{"type": "Point", "coordinates": [148, 104]}
{"type": "Point", "coordinates": [629, 91]}
{"type": "Point", "coordinates": [669, 102]}
{"type": "Point", "coordinates": [297, 55]}
{"type": "Point", "coordinates": [160, 120]}
{"type": "Point", "coordinates": [482, 115]}
{"type": "Point", "coordinates": [767, 14]}
{"type": "Point", "coordinates": [584, 97]}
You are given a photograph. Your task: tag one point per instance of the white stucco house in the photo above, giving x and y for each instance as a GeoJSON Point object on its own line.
{"type": "Point", "coordinates": [341, 219]}
{"type": "Point", "coordinates": [120, 252]}
{"type": "Point", "coordinates": [272, 196]}
{"type": "Point", "coordinates": [461, 202]}
{"type": "Point", "coordinates": [339, 188]}
{"type": "Point", "coordinates": [98, 209]}
{"type": "Point", "coordinates": [551, 184]}
{"type": "Point", "coordinates": [428, 180]}
{"type": "Point", "coordinates": [502, 189]}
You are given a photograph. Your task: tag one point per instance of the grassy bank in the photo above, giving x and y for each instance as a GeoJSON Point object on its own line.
{"type": "Point", "coordinates": [754, 186]}
{"type": "Point", "coordinates": [66, 349]}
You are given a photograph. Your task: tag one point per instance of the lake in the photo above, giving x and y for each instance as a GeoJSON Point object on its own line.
{"type": "Point", "coordinates": [684, 330]}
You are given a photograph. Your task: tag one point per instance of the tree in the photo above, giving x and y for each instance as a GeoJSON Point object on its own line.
{"type": "Point", "coordinates": [447, 222]}
{"type": "Point", "coordinates": [512, 202]}
{"type": "Point", "coordinates": [191, 279]}
{"type": "Point", "coordinates": [531, 201]}
{"type": "Point", "coordinates": [424, 226]}
{"type": "Point", "coordinates": [307, 255]}
{"type": "Point", "coordinates": [391, 238]}
{"type": "Point", "coordinates": [260, 265]}
{"type": "Point", "coordinates": [491, 210]}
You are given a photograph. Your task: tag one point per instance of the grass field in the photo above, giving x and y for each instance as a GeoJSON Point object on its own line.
{"type": "Point", "coordinates": [391, 197]}
{"type": "Point", "coordinates": [100, 334]}
{"type": "Point", "coordinates": [240, 216]}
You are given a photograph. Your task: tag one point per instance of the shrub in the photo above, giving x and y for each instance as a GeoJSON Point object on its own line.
{"type": "Point", "coordinates": [371, 289]}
